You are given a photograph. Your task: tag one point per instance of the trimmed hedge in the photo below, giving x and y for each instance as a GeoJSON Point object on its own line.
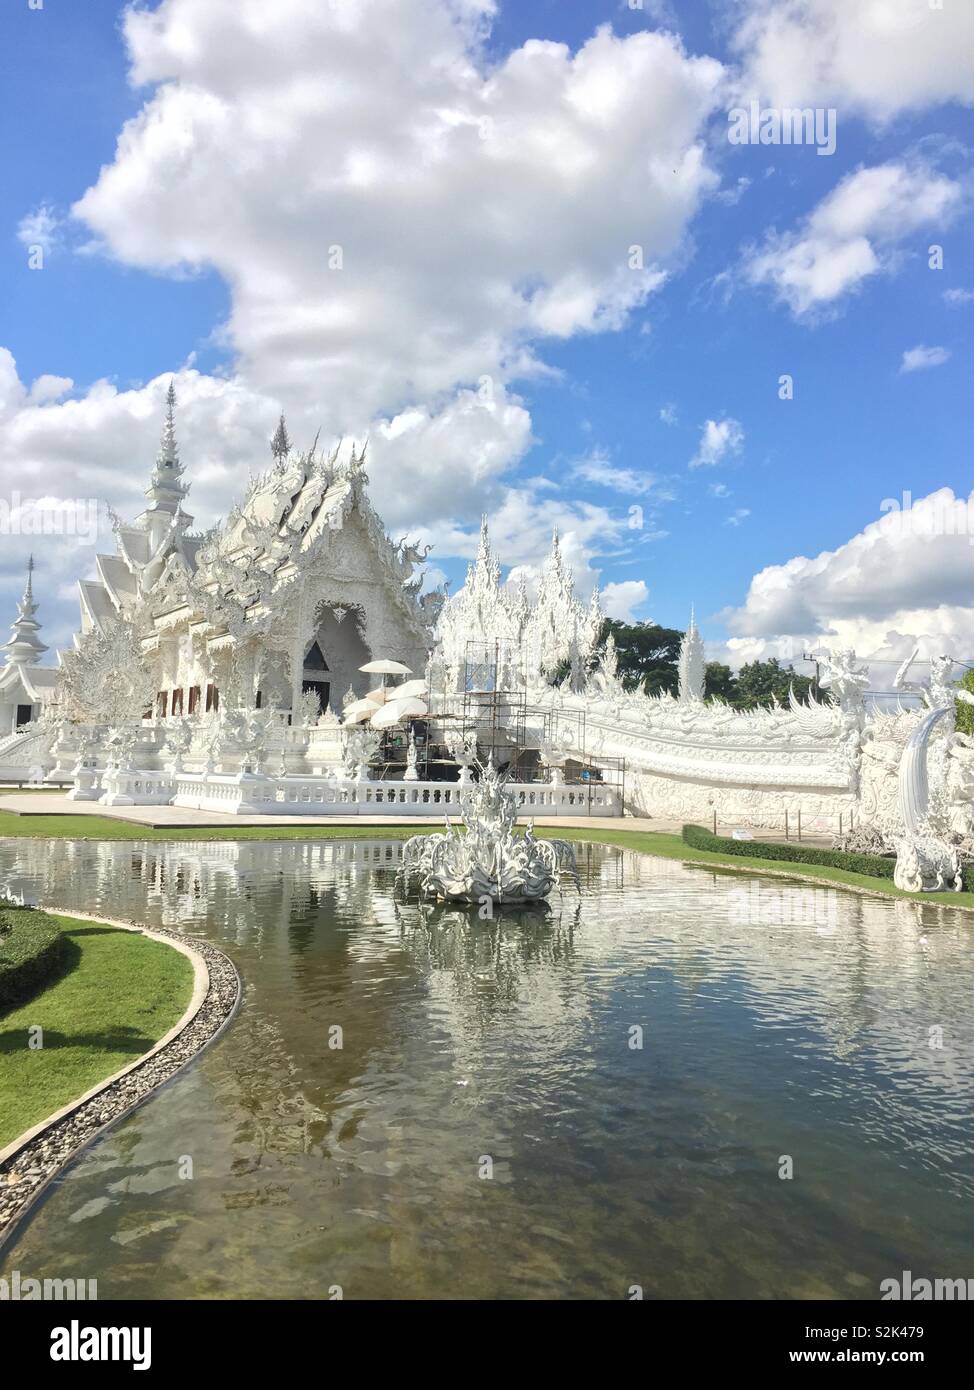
{"type": "Point", "coordinates": [32, 950]}
{"type": "Point", "coordinates": [872, 865]}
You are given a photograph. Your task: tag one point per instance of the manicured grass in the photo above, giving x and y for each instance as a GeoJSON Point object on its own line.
{"type": "Point", "coordinates": [120, 992]}
{"type": "Point", "coordinates": [33, 952]}
{"type": "Point", "coordinates": [105, 828]}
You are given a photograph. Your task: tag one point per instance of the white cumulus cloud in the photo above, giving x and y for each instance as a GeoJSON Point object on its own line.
{"type": "Point", "coordinates": [623, 599]}
{"type": "Point", "coordinates": [402, 221]}
{"type": "Point", "coordinates": [852, 234]}
{"type": "Point", "coordinates": [871, 58]}
{"type": "Point", "coordinates": [907, 576]}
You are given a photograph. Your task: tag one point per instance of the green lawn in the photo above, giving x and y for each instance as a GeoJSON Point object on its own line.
{"type": "Point", "coordinates": [59, 827]}
{"type": "Point", "coordinates": [120, 993]}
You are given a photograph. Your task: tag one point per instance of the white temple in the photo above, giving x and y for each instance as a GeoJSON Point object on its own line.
{"type": "Point", "coordinates": [224, 672]}
{"type": "Point", "coordinates": [294, 592]}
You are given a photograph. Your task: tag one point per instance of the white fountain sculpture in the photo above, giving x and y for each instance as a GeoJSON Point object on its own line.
{"type": "Point", "coordinates": [489, 861]}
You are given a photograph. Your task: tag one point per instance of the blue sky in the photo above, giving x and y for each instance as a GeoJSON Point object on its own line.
{"type": "Point", "coordinates": [710, 344]}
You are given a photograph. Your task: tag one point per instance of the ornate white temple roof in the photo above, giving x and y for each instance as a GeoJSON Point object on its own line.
{"type": "Point", "coordinates": [236, 572]}
{"type": "Point", "coordinates": [539, 637]}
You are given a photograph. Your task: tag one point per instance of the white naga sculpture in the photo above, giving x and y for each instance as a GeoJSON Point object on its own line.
{"type": "Point", "coordinates": [926, 861]}
{"type": "Point", "coordinates": [490, 861]}
{"type": "Point", "coordinates": [926, 858]}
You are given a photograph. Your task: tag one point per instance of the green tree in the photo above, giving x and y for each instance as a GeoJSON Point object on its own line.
{"type": "Point", "coordinates": [762, 682]}
{"type": "Point", "coordinates": [965, 713]}
{"type": "Point", "coordinates": [720, 681]}
{"type": "Point", "coordinates": [647, 655]}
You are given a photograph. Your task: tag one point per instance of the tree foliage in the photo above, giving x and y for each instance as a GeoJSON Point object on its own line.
{"type": "Point", "coordinates": [719, 682]}
{"type": "Point", "coordinates": [762, 682]}
{"type": "Point", "coordinates": [965, 713]}
{"type": "Point", "coordinates": [647, 655]}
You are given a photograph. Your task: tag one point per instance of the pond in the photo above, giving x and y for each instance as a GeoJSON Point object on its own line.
{"type": "Point", "coordinates": [688, 1082]}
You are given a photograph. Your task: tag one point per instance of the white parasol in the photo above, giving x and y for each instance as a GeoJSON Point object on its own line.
{"type": "Point", "coordinates": [359, 711]}
{"type": "Point", "coordinates": [386, 668]}
{"type": "Point", "coordinates": [415, 690]}
{"type": "Point", "coordinates": [397, 711]}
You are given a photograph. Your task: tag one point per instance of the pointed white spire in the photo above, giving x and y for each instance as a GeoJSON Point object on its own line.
{"type": "Point", "coordinates": [25, 647]}
{"type": "Point", "coordinates": [168, 448]}
{"type": "Point", "coordinates": [166, 490]}
{"type": "Point", "coordinates": [691, 663]}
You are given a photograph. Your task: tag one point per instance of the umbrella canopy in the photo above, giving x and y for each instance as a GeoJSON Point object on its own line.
{"type": "Point", "coordinates": [407, 690]}
{"type": "Point", "coordinates": [396, 711]}
{"type": "Point", "coordinates": [386, 668]}
{"type": "Point", "coordinates": [379, 695]}
{"type": "Point", "coordinates": [359, 710]}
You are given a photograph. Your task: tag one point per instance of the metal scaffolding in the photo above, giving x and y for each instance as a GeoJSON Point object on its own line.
{"type": "Point", "coordinates": [509, 730]}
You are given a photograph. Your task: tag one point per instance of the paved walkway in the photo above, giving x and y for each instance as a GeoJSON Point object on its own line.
{"type": "Point", "coordinates": [54, 803]}
{"type": "Point", "coordinates": [167, 817]}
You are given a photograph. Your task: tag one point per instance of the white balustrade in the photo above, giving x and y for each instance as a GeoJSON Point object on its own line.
{"type": "Point", "coordinates": [264, 794]}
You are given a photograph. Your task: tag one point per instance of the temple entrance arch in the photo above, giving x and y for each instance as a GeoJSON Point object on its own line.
{"type": "Point", "coordinates": [335, 651]}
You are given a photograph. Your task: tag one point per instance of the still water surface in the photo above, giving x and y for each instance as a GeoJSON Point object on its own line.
{"type": "Point", "coordinates": [777, 1022]}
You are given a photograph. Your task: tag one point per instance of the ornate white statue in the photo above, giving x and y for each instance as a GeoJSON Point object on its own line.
{"type": "Point", "coordinates": [462, 748]}
{"type": "Point", "coordinates": [846, 680]}
{"type": "Point", "coordinates": [179, 736]}
{"type": "Point", "coordinates": [411, 774]}
{"type": "Point", "coordinates": [555, 752]}
{"type": "Point", "coordinates": [490, 861]}
{"type": "Point", "coordinates": [359, 747]}
{"type": "Point", "coordinates": [938, 691]}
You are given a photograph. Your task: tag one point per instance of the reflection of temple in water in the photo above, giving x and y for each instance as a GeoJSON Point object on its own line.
{"type": "Point", "coordinates": [182, 884]}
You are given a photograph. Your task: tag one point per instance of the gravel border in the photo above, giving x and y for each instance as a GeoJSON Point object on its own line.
{"type": "Point", "coordinates": [31, 1163]}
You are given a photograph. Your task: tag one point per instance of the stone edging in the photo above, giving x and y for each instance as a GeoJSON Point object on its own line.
{"type": "Point", "coordinates": [31, 1162]}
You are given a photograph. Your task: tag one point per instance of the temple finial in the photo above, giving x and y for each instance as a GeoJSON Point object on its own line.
{"type": "Point", "coordinates": [168, 448]}
{"type": "Point", "coordinates": [281, 444]}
